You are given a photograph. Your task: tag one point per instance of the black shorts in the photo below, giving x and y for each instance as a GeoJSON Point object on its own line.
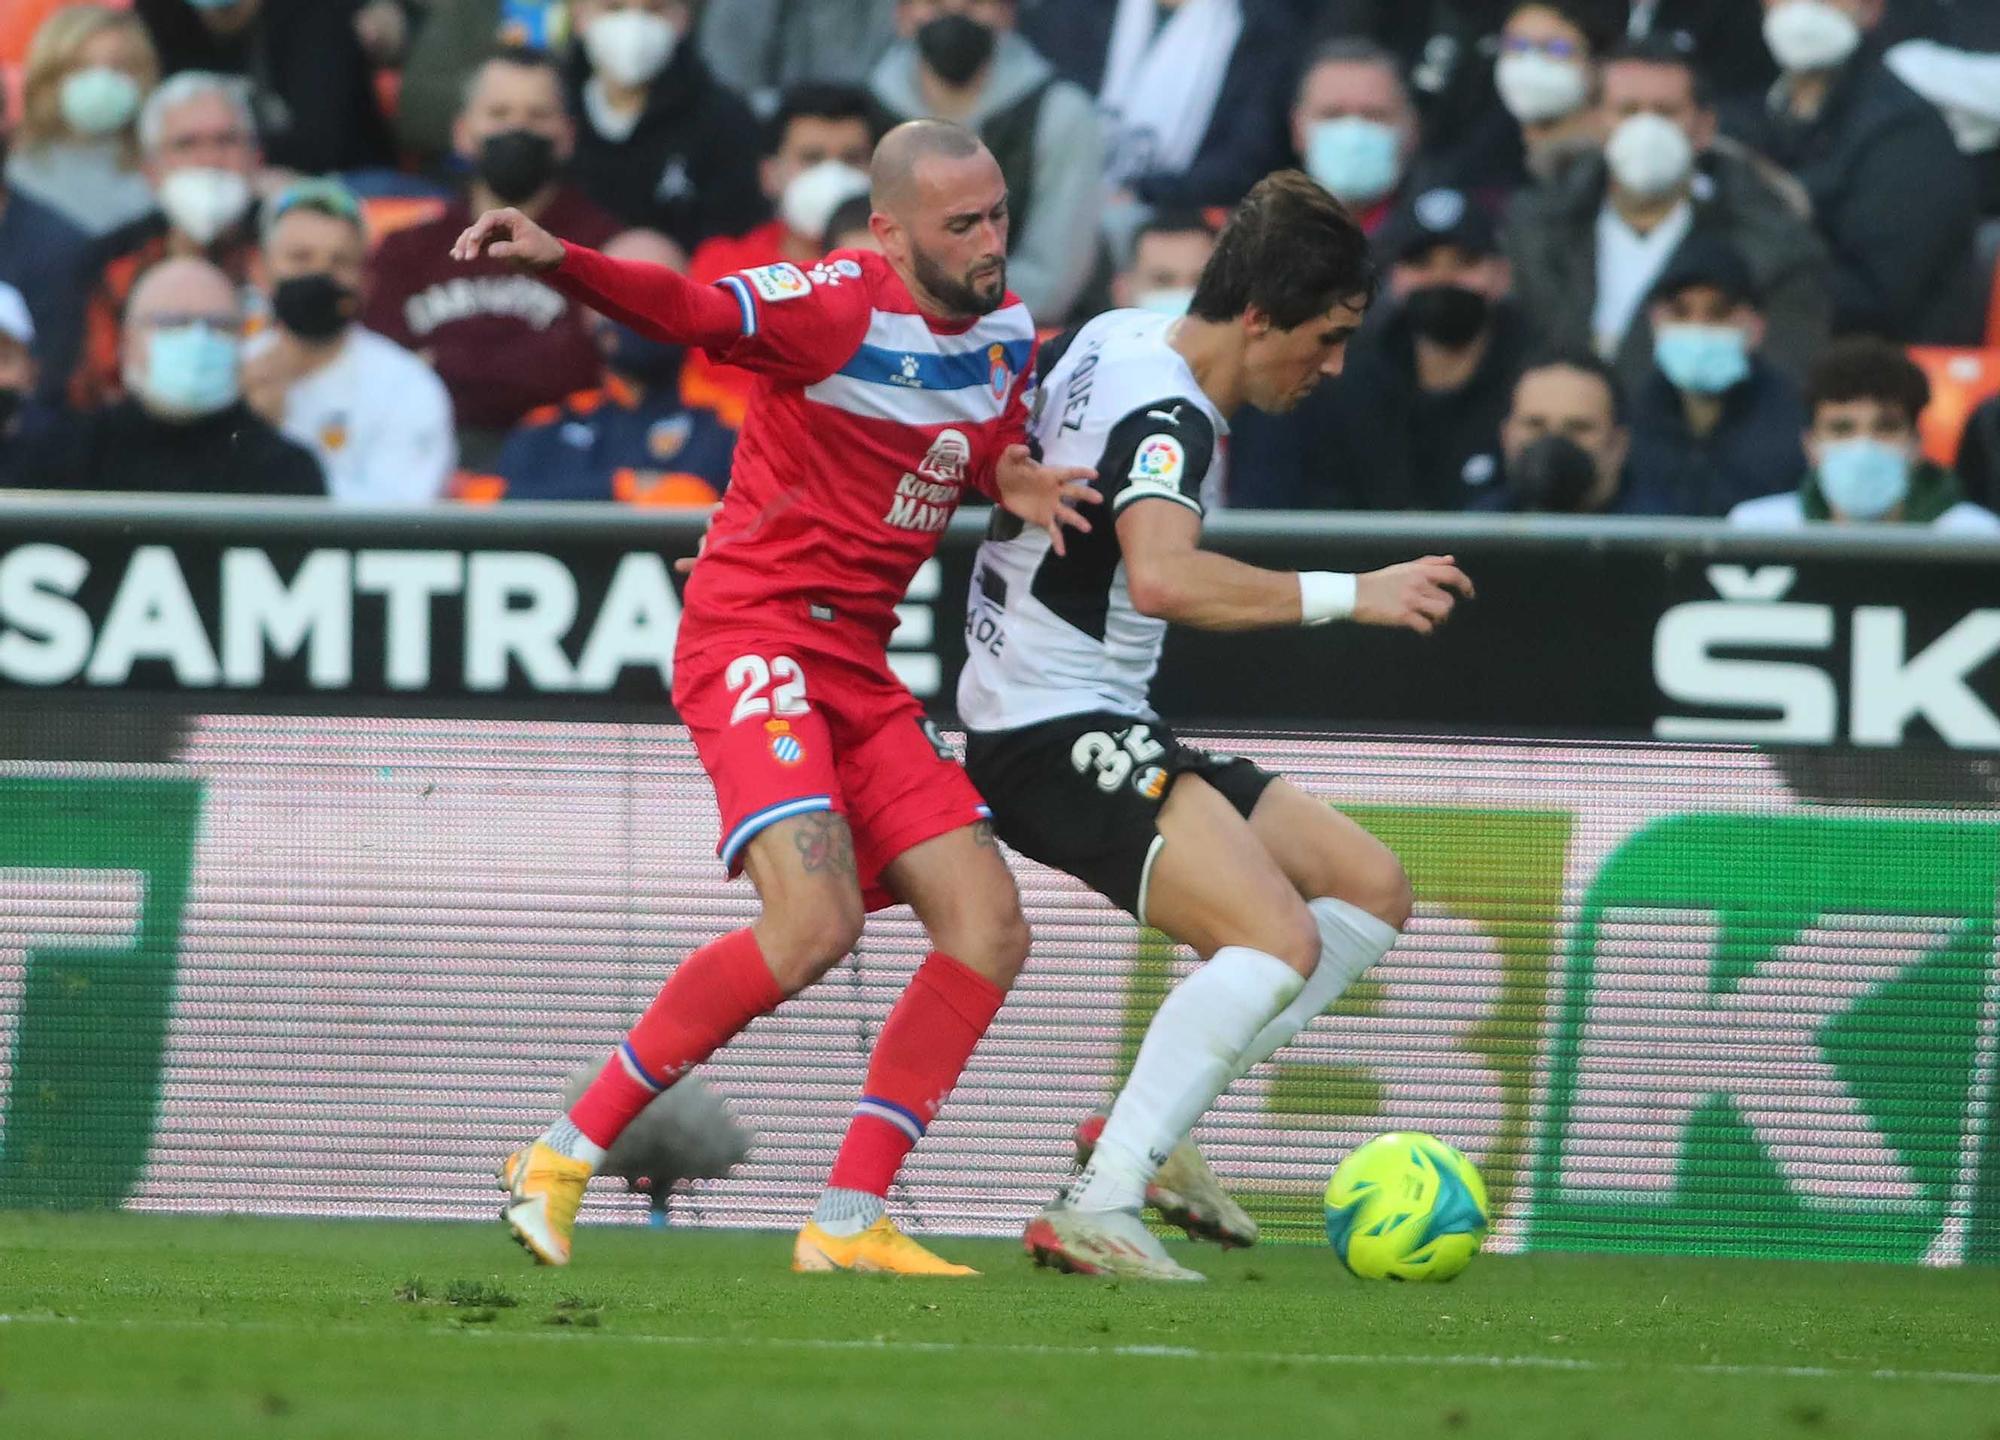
{"type": "Point", "coordinates": [1083, 794]}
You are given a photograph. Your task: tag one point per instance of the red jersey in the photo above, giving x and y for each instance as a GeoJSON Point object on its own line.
{"type": "Point", "coordinates": [868, 422]}
{"type": "Point", "coordinates": [724, 388]}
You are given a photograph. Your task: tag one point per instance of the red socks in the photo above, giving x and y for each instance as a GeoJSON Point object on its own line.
{"type": "Point", "coordinates": [922, 1050]}
{"type": "Point", "coordinates": [712, 995]}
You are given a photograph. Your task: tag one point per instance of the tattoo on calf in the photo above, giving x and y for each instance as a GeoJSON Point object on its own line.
{"type": "Point", "coordinates": [825, 844]}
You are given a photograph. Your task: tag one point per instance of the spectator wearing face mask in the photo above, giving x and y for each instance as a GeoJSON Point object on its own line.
{"type": "Point", "coordinates": [199, 152]}
{"type": "Point", "coordinates": [1168, 256]}
{"type": "Point", "coordinates": [1413, 422]}
{"type": "Point", "coordinates": [1547, 79]}
{"type": "Point", "coordinates": [377, 418]}
{"type": "Point", "coordinates": [184, 428]}
{"type": "Point", "coordinates": [1355, 129]}
{"type": "Point", "coordinates": [1864, 398]}
{"type": "Point", "coordinates": [632, 439]}
{"type": "Point", "coordinates": [1217, 126]}
{"type": "Point", "coordinates": [503, 343]}
{"type": "Point", "coordinates": [17, 382]}
{"type": "Point", "coordinates": [1589, 248]}
{"type": "Point", "coordinates": [960, 60]}
{"type": "Point", "coordinates": [306, 67]}
{"type": "Point", "coordinates": [763, 48]}
{"type": "Point", "coordinates": [819, 144]}
{"type": "Point", "coordinates": [1716, 423]}
{"type": "Point", "coordinates": [660, 143]}
{"type": "Point", "coordinates": [77, 147]}
{"type": "Point", "coordinates": [1891, 194]}
{"type": "Point", "coordinates": [1564, 441]}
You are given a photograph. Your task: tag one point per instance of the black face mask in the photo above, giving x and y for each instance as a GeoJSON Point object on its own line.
{"type": "Point", "coordinates": [955, 46]}
{"type": "Point", "coordinates": [517, 163]}
{"type": "Point", "coordinates": [653, 363]}
{"type": "Point", "coordinates": [1451, 315]}
{"type": "Point", "coordinates": [314, 307]}
{"type": "Point", "coordinates": [1553, 475]}
{"type": "Point", "coordinates": [10, 406]}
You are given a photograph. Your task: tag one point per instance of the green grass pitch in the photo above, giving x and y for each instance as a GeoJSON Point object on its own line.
{"type": "Point", "coordinates": [121, 1325]}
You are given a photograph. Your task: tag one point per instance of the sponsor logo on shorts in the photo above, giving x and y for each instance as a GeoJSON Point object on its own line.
{"type": "Point", "coordinates": [1151, 782]}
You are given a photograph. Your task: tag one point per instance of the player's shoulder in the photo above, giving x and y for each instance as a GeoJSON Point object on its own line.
{"type": "Point", "coordinates": [1138, 371]}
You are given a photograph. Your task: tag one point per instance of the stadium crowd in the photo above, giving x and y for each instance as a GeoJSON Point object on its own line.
{"type": "Point", "coordinates": [1653, 257]}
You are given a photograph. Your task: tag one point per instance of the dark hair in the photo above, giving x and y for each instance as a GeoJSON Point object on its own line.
{"type": "Point", "coordinates": [847, 215]}
{"type": "Point", "coordinates": [1356, 50]}
{"type": "Point", "coordinates": [1599, 31]}
{"type": "Point", "coordinates": [1660, 50]}
{"type": "Point", "coordinates": [1590, 364]}
{"type": "Point", "coordinates": [1173, 222]}
{"type": "Point", "coordinates": [1865, 368]}
{"type": "Point", "coordinates": [522, 57]}
{"type": "Point", "coordinates": [1290, 249]}
{"type": "Point", "coordinates": [815, 100]}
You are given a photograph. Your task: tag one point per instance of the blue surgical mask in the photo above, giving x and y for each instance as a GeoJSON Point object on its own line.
{"type": "Point", "coordinates": [1165, 302]}
{"type": "Point", "coordinates": [1357, 160]}
{"type": "Point", "coordinates": [1705, 359]}
{"type": "Point", "coordinates": [191, 370]}
{"type": "Point", "coordinates": [1864, 479]}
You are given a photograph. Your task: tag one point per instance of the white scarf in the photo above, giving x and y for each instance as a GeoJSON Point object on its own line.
{"type": "Point", "coordinates": [1160, 90]}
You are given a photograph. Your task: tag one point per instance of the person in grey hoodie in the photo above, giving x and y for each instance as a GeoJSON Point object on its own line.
{"type": "Point", "coordinates": [762, 48]}
{"type": "Point", "coordinates": [960, 60]}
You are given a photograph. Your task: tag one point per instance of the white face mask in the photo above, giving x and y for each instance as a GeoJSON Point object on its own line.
{"type": "Point", "coordinates": [189, 371]}
{"type": "Point", "coordinates": [201, 202]}
{"type": "Point", "coordinates": [1806, 35]}
{"type": "Point", "coordinates": [1975, 133]}
{"type": "Point", "coordinates": [1165, 302]}
{"type": "Point", "coordinates": [1357, 160]}
{"type": "Point", "coordinates": [99, 100]}
{"type": "Point", "coordinates": [815, 193]}
{"type": "Point", "coordinates": [1649, 156]}
{"type": "Point", "coordinates": [1536, 88]}
{"type": "Point", "coordinates": [630, 47]}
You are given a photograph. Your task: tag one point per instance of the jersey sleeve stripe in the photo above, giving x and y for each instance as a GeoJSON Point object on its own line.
{"type": "Point", "coordinates": [925, 370]}
{"type": "Point", "coordinates": [1149, 492]}
{"type": "Point", "coordinates": [743, 298]}
{"type": "Point", "coordinates": [749, 828]}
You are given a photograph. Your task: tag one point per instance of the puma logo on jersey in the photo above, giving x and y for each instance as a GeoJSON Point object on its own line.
{"type": "Point", "coordinates": [1172, 417]}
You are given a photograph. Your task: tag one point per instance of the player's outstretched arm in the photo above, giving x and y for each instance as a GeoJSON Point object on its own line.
{"type": "Point", "coordinates": [1045, 495]}
{"type": "Point", "coordinates": [1171, 578]}
{"type": "Point", "coordinates": [653, 299]}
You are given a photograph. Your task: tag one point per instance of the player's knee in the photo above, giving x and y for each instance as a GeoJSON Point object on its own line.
{"type": "Point", "coordinates": [992, 939]}
{"type": "Point", "coordinates": [802, 943]}
{"type": "Point", "coordinates": [1293, 937]}
{"type": "Point", "coordinates": [1386, 892]}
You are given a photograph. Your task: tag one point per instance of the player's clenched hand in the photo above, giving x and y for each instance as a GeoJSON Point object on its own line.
{"type": "Point", "coordinates": [685, 565]}
{"type": "Point", "coordinates": [511, 236]}
{"type": "Point", "coordinates": [1415, 596]}
{"type": "Point", "coordinates": [1045, 495]}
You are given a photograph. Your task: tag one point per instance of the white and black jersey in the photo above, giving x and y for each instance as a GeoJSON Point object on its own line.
{"type": "Point", "coordinates": [1049, 635]}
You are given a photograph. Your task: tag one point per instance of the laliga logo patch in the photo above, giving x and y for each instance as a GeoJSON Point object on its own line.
{"type": "Point", "coordinates": [998, 376]}
{"type": "Point", "coordinates": [1160, 460]}
{"type": "Point", "coordinates": [785, 746]}
{"type": "Point", "coordinates": [1151, 782]}
{"type": "Point", "coordinates": [782, 281]}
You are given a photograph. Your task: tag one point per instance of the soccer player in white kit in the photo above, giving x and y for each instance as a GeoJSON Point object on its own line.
{"type": "Point", "coordinates": [1284, 898]}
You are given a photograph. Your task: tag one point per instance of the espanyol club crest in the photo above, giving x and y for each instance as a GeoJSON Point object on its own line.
{"type": "Point", "coordinates": [785, 746]}
{"type": "Point", "coordinates": [998, 376]}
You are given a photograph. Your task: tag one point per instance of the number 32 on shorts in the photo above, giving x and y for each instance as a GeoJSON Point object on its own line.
{"type": "Point", "coordinates": [749, 677]}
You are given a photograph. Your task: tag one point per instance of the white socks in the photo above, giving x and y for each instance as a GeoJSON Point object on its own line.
{"type": "Point", "coordinates": [565, 1139]}
{"type": "Point", "coordinates": [1188, 1057]}
{"type": "Point", "coordinates": [1350, 940]}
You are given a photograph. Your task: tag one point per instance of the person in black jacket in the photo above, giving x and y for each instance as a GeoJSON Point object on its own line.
{"type": "Point", "coordinates": [311, 76]}
{"type": "Point", "coordinates": [184, 428]}
{"type": "Point", "coordinates": [1891, 194]}
{"type": "Point", "coordinates": [1715, 424]}
{"type": "Point", "coordinates": [1413, 423]}
{"type": "Point", "coordinates": [660, 143]}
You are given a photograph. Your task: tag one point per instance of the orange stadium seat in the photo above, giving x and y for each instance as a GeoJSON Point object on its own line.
{"type": "Point", "coordinates": [386, 214]}
{"type": "Point", "coordinates": [1961, 381]}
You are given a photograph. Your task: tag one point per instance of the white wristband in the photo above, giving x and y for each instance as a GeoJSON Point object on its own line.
{"type": "Point", "coordinates": [1325, 595]}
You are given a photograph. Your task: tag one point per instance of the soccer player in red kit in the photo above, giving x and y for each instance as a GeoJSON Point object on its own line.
{"type": "Point", "coordinates": [887, 384]}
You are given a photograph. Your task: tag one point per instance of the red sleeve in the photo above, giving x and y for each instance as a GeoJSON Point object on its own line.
{"type": "Point", "coordinates": [793, 326]}
{"type": "Point", "coordinates": [1013, 426]}
{"type": "Point", "coordinates": [652, 299]}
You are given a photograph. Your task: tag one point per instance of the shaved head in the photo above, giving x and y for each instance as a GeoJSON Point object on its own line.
{"type": "Point", "coordinates": [941, 217]}
{"type": "Point", "coordinates": [892, 176]}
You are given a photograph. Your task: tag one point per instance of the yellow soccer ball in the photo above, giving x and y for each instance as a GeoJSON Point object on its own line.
{"type": "Point", "coordinates": [1406, 1206]}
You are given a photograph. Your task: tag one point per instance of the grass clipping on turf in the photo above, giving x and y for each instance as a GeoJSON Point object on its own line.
{"type": "Point", "coordinates": [685, 1133]}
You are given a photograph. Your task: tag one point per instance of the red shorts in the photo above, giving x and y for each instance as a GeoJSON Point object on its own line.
{"type": "Point", "coordinates": [786, 728]}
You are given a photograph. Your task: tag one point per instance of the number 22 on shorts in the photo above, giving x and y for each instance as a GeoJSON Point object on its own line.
{"type": "Point", "coordinates": [750, 676]}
